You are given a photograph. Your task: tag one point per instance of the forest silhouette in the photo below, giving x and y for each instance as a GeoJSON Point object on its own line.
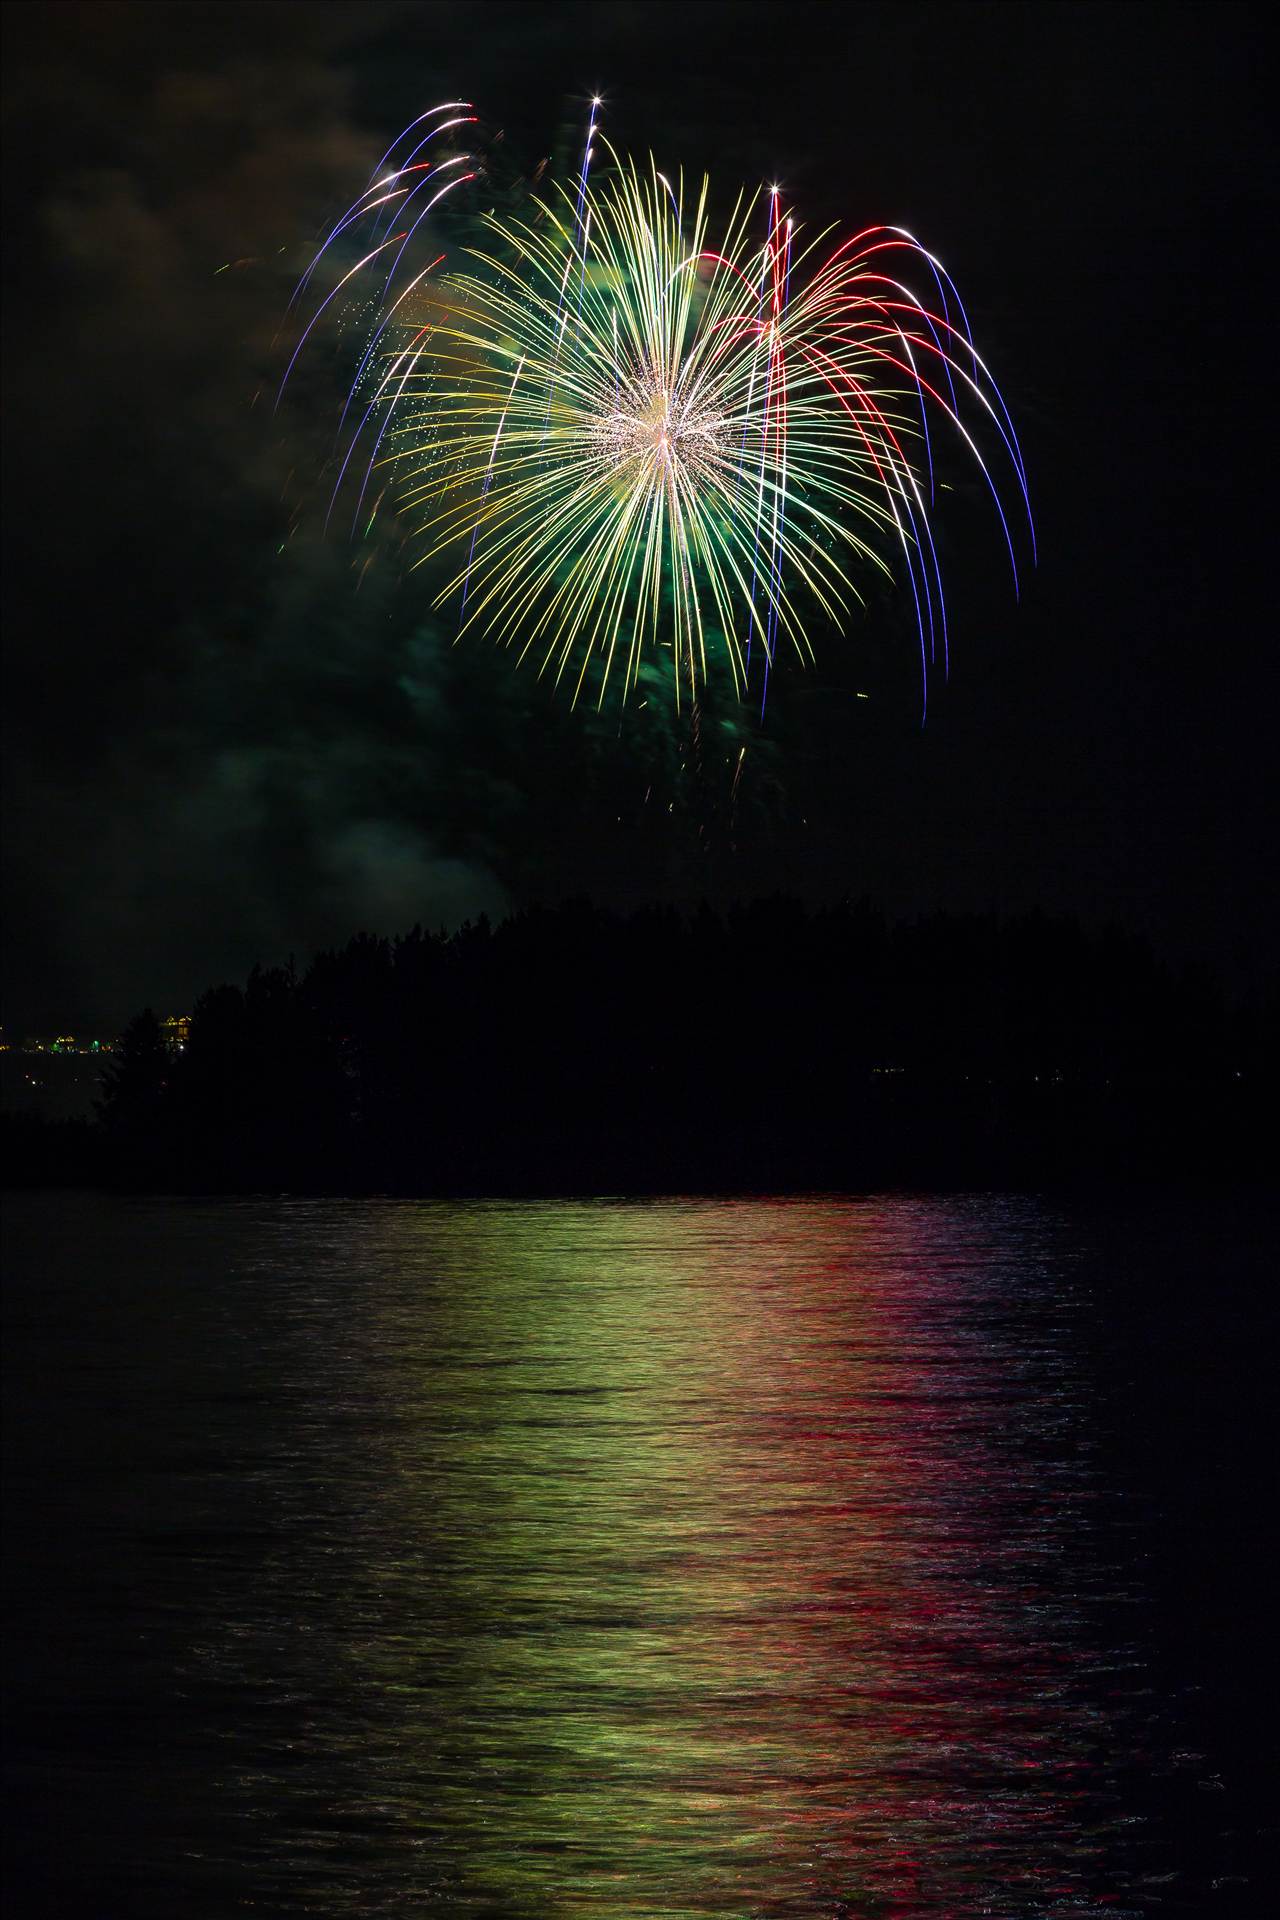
{"type": "Point", "coordinates": [773, 1047]}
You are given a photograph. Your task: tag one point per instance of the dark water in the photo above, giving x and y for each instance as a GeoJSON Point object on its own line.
{"type": "Point", "coordinates": [896, 1557]}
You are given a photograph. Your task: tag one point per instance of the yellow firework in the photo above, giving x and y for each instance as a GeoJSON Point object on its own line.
{"type": "Point", "coordinates": [641, 437]}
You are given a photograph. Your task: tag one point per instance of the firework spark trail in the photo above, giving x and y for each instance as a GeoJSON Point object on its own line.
{"type": "Point", "coordinates": [368, 354]}
{"type": "Point", "coordinates": [581, 227]}
{"type": "Point", "coordinates": [411, 359]}
{"type": "Point", "coordinates": [905, 241]}
{"type": "Point", "coordinates": [781, 496]}
{"type": "Point", "coordinates": [484, 491]}
{"type": "Point", "coordinates": [403, 358]}
{"type": "Point", "coordinates": [461, 120]}
{"type": "Point", "coordinates": [755, 360]}
{"type": "Point", "coordinates": [706, 450]}
{"type": "Point", "coordinates": [361, 206]}
{"type": "Point", "coordinates": [583, 214]}
{"type": "Point", "coordinates": [446, 106]}
{"type": "Point", "coordinates": [325, 303]}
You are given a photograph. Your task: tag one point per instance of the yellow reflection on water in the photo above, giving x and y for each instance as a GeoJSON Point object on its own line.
{"type": "Point", "coordinates": [707, 1564]}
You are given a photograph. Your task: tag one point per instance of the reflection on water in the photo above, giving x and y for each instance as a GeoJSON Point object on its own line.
{"type": "Point", "coordinates": [704, 1558]}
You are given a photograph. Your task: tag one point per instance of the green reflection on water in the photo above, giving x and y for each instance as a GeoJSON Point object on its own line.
{"type": "Point", "coordinates": [685, 1579]}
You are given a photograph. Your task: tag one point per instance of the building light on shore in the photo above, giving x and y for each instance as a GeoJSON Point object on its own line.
{"type": "Point", "coordinates": [176, 1031]}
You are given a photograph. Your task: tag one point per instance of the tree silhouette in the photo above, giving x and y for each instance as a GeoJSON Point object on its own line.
{"type": "Point", "coordinates": [135, 1082]}
{"type": "Point", "coordinates": [578, 1049]}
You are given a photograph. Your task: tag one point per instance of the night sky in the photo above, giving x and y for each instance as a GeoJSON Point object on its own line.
{"type": "Point", "coordinates": [221, 745]}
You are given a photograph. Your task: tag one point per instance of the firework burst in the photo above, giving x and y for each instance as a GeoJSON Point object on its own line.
{"type": "Point", "coordinates": [640, 437]}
